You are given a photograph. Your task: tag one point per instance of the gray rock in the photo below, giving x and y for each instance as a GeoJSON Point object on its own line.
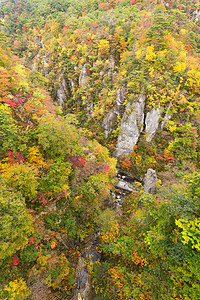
{"type": "Point", "coordinates": [121, 96]}
{"type": "Point", "coordinates": [197, 12]}
{"type": "Point", "coordinates": [152, 122]}
{"type": "Point", "coordinates": [72, 86]}
{"type": "Point", "coordinates": [168, 116]}
{"type": "Point", "coordinates": [124, 186]}
{"type": "Point", "coordinates": [83, 77]}
{"type": "Point", "coordinates": [111, 63]}
{"type": "Point", "coordinates": [89, 109]}
{"type": "Point", "coordinates": [109, 121]}
{"type": "Point", "coordinates": [45, 67]}
{"type": "Point", "coordinates": [132, 126]}
{"type": "Point", "coordinates": [150, 181]}
{"type": "Point", "coordinates": [62, 90]}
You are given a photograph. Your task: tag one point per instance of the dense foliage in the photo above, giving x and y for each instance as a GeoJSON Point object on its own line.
{"type": "Point", "coordinates": [63, 66]}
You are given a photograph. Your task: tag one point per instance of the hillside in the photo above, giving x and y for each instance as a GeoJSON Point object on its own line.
{"type": "Point", "coordinates": [99, 149]}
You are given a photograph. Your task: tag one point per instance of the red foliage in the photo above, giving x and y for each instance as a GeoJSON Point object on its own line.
{"type": "Point", "coordinates": [15, 261]}
{"type": "Point", "coordinates": [81, 161]}
{"type": "Point", "coordinates": [16, 101]}
{"type": "Point", "coordinates": [88, 71]}
{"type": "Point", "coordinates": [132, 2]}
{"type": "Point", "coordinates": [41, 198]}
{"type": "Point", "coordinates": [169, 158]}
{"type": "Point", "coordinates": [108, 4]}
{"type": "Point", "coordinates": [77, 161]}
{"type": "Point", "coordinates": [62, 194]}
{"type": "Point", "coordinates": [106, 169]}
{"type": "Point", "coordinates": [15, 158]}
{"type": "Point", "coordinates": [126, 163]}
{"type": "Point", "coordinates": [25, 27]}
{"type": "Point", "coordinates": [12, 103]}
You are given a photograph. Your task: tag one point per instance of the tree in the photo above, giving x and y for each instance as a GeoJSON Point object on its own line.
{"type": "Point", "coordinates": [16, 223]}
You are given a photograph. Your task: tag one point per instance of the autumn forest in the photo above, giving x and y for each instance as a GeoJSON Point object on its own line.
{"type": "Point", "coordinates": [99, 150]}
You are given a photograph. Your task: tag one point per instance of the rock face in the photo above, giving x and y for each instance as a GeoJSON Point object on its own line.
{"type": "Point", "coordinates": [83, 77]}
{"type": "Point", "coordinates": [111, 63]}
{"type": "Point", "coordinates": [45, 67]}
{"type": "Point", "coordinates": [62, 90]}
{"type": "Point", "coordinates": [168, 116]}
{"type": "Point", "coordinates": [131, 126]}
{"type": "Point", "coordinates": [121, 96]}
{"type": "Point", "coordinates": [108, 123]}
{"type": "Point", "coordinates": [197, 15]}
{"type": "Point", "coordinates": [152, 122]}
{"type": "Point", "coordinates": [150, 181]}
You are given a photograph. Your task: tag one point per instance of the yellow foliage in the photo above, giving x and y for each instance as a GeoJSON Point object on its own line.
{"type": "Point", "coordinates": [104, 47]}
{"type": "Point", "coordinates": [17, 288]}
{"type": "Point", "coordinates": [35, 157]}
{"type": "Point", "coordinates": [171, 126]}
{"type": "Point", "coordinates": [53, 244]}
{"type": "Point", "coordinates": [168, 153]}
{"type": "Point", "coordinates": [190, 231]}
{"type": "Point", "coordinates": [138, 53]}
{"type": "Point", "coordinates": [112, 235]}
{"type": "Point", "coordinates": [22, 74]}
{"type": "Point", "coordinates": [21, 177]}
{"type": "Point", "coordinates": [183, 31]}
{"type": "Point", "coordinates": [150, 55]}
{"type": "Point", "coordinates": [179, 67]}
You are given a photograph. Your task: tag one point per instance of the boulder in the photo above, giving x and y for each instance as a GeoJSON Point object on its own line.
{"type": "Point", "coordinates": [124, 186]}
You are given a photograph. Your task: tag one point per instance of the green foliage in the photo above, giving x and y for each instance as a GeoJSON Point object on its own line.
{"type": "Point", "coordinates": [58, 136]}
{"type": "Point", "coordinates": [157, 240]}
{"type": "Point", "coordinates": [9, 138]}
{"type": "Point", "coordinates": [56, 178]}
{"type": "Point", "coordinates": [22, 178]}
{"type": "Point", "coordinates": [92, 50]}
{"type": "Point", "coordinates": [16, 223]}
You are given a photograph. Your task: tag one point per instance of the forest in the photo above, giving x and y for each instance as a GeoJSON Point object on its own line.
{"type": "Point", "coordinates": [99, 149]}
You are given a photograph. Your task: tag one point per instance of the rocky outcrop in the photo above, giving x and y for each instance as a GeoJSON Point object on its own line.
{"type": "Point", "coordinates": [151, 123]}
{"type": "Point", "coordinates": [61, 91]}
{"type": "Point", "coordinates": [121, 96]}
{"type": "Point", "coordinates": [72, 86]}
{"type": "Point", "coordinates": [45, 67]}
{"type": "Point", "coordinates": [89, 109]}
{"type": "Point", "coordinates": [131, 126]}
{"type": "Point", "coordinates": [168, 115]}
{"type": "Point", "coordinates": [83, 78]}
{"type": "Point", "coordinates": [111, 63]}
{"type": "Point", "coordinates": [150, 181]}
{"type": "Point", "coordinates": [108, 123]}
{"type": "Point", "coordinates": [197, 13]}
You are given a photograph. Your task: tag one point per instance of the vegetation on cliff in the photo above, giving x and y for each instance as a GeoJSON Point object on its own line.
{"type": "Point", "coordinates": [67, 68]}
